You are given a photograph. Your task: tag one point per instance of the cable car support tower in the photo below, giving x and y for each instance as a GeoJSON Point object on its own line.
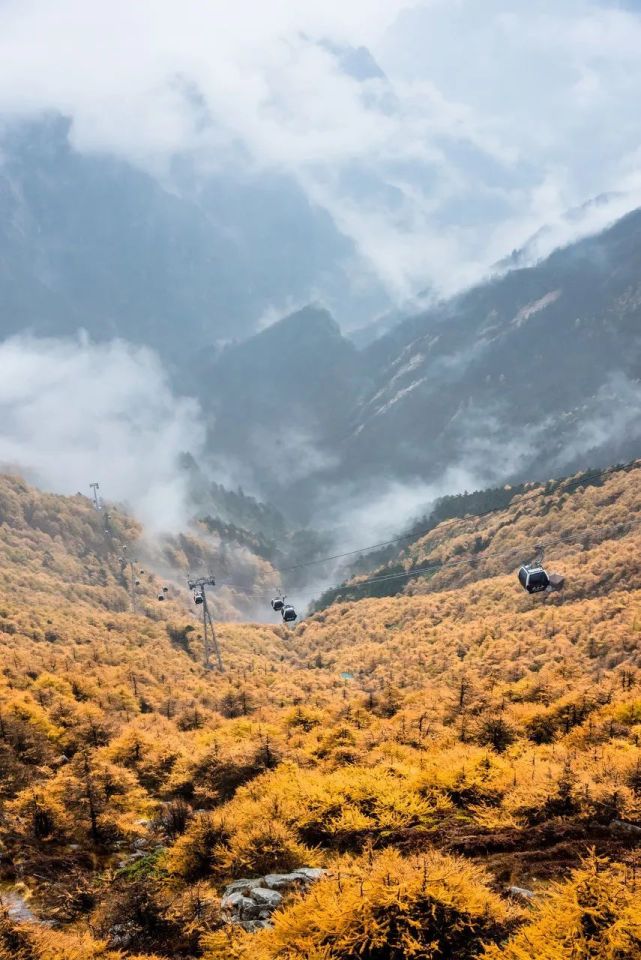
{"type": "Point", "coordinates": [134, 582]}
{"type": "Point", "coordinates": [199, 587]}
{"type": "Point", "coordinates": [97, 499]}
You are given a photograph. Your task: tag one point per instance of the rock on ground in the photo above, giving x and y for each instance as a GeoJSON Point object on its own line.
{"type": "Point", "coordinates": [250, 902]}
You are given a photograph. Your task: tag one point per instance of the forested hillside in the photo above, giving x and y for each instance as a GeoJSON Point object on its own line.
{"type": "Point", "coordinates": [62, 549]}
{"type": "Point", "coordinates": [471, 536]}
{"type": "Point", "coordinates": [429, 751]}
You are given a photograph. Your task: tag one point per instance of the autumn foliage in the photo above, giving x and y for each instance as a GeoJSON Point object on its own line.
{"type": "Point", "coordinates": [429, 750]}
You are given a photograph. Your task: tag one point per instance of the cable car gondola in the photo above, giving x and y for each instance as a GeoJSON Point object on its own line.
{"type": "Point", "coordinates": [277, 604]}
{"type": "Point", "coordinates": [288, 613]}
{"type": "Point", "coordinates": [533, 578]}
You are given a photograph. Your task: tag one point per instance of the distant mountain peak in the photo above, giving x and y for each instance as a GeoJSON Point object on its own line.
{"type": "Point", "coordinates": [314, 318]}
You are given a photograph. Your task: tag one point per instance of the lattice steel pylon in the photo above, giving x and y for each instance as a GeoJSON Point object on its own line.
{"type": "Point", "coordinates": [96, 499]}
{"type": "Point", "coordinates": [199, 586]}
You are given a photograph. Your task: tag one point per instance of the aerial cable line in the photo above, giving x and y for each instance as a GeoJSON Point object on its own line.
{"type": "Point", "coordinates": [477, 558]}
{"type": "Point", "coordinates": [563, 486]}
{"type": "Point", "coordinates": [416, 535]}
{"type": "Point", "coordinates": [418, 571]}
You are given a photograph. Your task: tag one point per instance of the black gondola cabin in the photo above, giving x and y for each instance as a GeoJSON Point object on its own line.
{"type": "Point", "coordinates": [534, 579]}
{"type": "Point", "coordinates": [289, 613]}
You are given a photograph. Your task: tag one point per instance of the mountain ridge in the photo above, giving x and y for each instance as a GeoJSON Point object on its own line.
{"type": "Point", "coordinates": [535, 372]}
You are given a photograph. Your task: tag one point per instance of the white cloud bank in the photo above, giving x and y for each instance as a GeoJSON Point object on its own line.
{"type": "Point", "coordinates": [493, 120]}
{"type": "Point", "coordinates": [74, 412]}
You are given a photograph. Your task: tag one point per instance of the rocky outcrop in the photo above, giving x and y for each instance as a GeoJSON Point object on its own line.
{"type": "Point", "coordinates": [251, 902]}
{"type": "Point", "coordinates": [521, 893]}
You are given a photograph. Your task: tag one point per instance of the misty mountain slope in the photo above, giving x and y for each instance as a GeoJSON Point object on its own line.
{"type": "Point", "coordinates": [92, 243]}
{"type": "Point", "coordinates": [534, 373]}
{"type": "Point", "coordinates": [89, 241]}
{"type": "Point", "coordinates": [281, 399]}
{"type": "Point", "coordinates": [540, 357]}
{"type": "Point", "coordinates": [240, 520]}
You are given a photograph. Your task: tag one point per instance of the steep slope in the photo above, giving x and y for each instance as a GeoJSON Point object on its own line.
{"type": "Point", "coordinates": [471, 536]}
{"type": "Point", "coordinates": [428, 751]}
{"type": "Point", "coordinates": [534, 373]}
{"type": "Point", "coordinates": [536, 370]}
{"type": "Point", "coordinates": [279, 400]}
{"type": "Point", "coordinates": [238, 520]}
{"type": "Point", "coordinates": [63, 548]}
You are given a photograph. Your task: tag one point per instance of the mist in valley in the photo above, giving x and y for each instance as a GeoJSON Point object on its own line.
{"type": "Point", "coordinates": [198, 216]}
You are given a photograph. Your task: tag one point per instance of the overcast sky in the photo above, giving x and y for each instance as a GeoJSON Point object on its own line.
{"type": "Point", "coordinates": [489, 118]}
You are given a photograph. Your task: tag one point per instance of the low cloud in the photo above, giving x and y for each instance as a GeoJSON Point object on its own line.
{"type": "Point", "coordinates": [609, 426]}
{"type": "Point", "coordinates": [487, 451]}
{"type": "Point", "coordinates": [477, 130]}
{"type": "Point", "coordinates": [73, 412]}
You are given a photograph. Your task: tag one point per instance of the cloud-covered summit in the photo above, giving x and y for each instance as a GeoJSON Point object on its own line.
{"type": "Point", "coordinates": [457, 132]}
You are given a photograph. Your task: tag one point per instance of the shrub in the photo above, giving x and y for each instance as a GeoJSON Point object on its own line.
{"type": "Point", "coordinates": [268, 848]}
{"type": "Point", "coordinates": [386, 908]}
{"type": "Point", "coordinates": [595, 915]}
{"type": "Point", "coordinates": [192, 856]}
